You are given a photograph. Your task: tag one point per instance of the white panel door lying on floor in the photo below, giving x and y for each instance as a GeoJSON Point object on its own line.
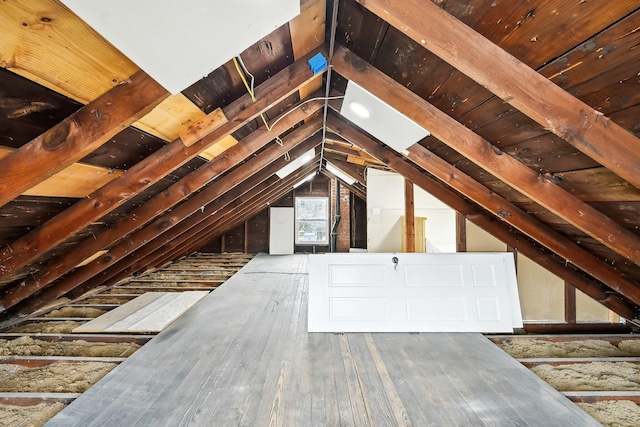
{"type": "Point", "coordinates": [373, 292]}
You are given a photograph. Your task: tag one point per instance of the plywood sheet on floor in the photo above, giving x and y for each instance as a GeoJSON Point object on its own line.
{"type": "Point", "coordinates": [242, 356]}
{"type": "Point", "coordinates": [150, 312]}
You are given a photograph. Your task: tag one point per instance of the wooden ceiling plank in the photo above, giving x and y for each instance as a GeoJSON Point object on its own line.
{"type": "Point", "coordinates": [170, 118]}
{"type": "Point", "coordinates": [307, 33]}
{"type": "Point", "coordinates": [579, 124]}
{"type": "Point", "coordinates": [85, 72]}
{"type": "Point", "coordinates": [537, 187]}
{"type": "Point", "coordinates": [296, 144]}
{"type": "Point", "coordinates": [216, 149]}
{"type": "Point", "coordinates": [150, 170]}
{"type": "Point", "coordinates": [78, 135]}
{"type": "Point", "coordinates": [512, 215]}
{"type": "Point", "coordinates": [498, 228]}
{"type": "Point", "coordinates": [75, 181]}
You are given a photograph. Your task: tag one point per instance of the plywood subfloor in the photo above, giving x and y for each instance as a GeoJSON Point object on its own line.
{"type": "Point", "coordinates": [150, 312]}
{"type": "Point", "coordinates": [242, 356]}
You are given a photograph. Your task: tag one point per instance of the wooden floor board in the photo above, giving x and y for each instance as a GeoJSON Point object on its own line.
{"type": "Point", "coordinates": [242, 357]}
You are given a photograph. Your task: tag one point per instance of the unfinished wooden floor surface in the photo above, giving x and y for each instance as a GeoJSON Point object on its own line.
{"type": "Point", "coordinates": [242, 356]}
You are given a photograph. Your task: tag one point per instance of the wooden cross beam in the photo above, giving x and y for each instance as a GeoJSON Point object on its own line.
{"type": "Point", "coordinates": [161, 203]}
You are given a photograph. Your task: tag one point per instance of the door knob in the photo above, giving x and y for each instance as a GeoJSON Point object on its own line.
{"type": "Point", "coordinates": [395, 261]}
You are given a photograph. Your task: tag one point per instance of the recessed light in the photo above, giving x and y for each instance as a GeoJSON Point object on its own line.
{"type": "Point", "coordinates": [359, 109]}
{"type": "Point", "coordinates": [295, 164]}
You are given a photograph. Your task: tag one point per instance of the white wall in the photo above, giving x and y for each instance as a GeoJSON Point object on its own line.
{"type": "Point", "coordinates": [385, 209]}
{"type": "Point", "coordinates": [541, 292]}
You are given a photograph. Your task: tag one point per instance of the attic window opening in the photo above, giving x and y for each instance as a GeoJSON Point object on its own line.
{"type": "Point", "coordinates": [312, 220]}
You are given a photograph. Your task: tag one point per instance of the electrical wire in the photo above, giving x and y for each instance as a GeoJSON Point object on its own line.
{"type": "Point", "coordinates": [332, 40]}
{"type": "Point", "coordinates": [237, 61]}
{"type": "Point", "coordinates": [244, 80]}
{"type": "Point", "coordinates": [319, 98]}
{"type": "Point", "coordinates": [244, 68]}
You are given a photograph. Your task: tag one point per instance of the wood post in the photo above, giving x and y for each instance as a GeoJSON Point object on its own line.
{"type": "Point", "coordinates": [409, 217]}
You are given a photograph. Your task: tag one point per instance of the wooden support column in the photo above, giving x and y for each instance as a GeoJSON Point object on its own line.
{"type": "Point", "coordinates": [533, 185]}
{"type": "Point", "coordinates": [569, 303]}
{"type": "Point", "coordinates": [154, 167]}
{"type": "Point", "coordinates": [461, 233]}
{"type": "Point", "coordinates": [489, 65]}
{"type": "Point", "coordinates": [409, 216]}
{"type": "Point", "coordinates": [499, 229]}
{"type": "Point", "coordinates": [78, 135]}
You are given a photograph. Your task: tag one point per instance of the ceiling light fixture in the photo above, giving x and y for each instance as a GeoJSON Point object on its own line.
{"type": "Point", "coordinates": [338, 173]}
{"type": "Point", "coordinates": [359, 109]}
{"type": "Point", "coordinates": [295, 164]}
{"type": "Point", "coordinates": [307, 178]}
{"type": "Point", "coordinates": [380, 119]}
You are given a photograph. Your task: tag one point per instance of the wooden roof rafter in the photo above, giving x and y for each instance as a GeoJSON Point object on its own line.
{"type": "Point", "coordinates": [153, 168]}
{"type": "Point", "coordinates": [161, 203]}
{"type": "Point", "coordinates": [296, 143]}
{"type": "Point", "coordinates": [583, 127]}
{"type": "Point", "coordinates": [490, 223]}
{"type": "Point", "coordinates": [480, 151]}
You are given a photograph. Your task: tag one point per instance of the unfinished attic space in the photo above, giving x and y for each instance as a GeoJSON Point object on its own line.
{"type": "Point", "coordinates": [320, 212]}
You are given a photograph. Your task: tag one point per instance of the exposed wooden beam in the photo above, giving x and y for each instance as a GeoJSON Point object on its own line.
{"type": "Point", "coordinates": [191, 234]}
{"type": "Point", "coordinates": [77, 180]}
{"type": "Point", "coordinates": [507, 212]}
{"type": "Point", "coordinates": [78, 135]}
{"type": "Point", "coordinates": [292, 143]}
{"type": "Point", "coordinates": [504, 167]}
{"type": "Point", "coordinates": [162, 202]}
{"type": "Point", "coordinates": [150, 170]}
{"type": "Point", "coordinates": [552, 107]}
{"type": "Point", "coordinates": [495, 227]}
{"type": "Point", "coordinates": [251, 206]}
{"type": "Point", "coordinates": [409, 217]}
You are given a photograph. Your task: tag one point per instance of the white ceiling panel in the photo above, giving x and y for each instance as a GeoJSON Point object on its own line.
{"type": "Point", "coordinates": [179, 42]}
{"type": "Point", "coordinates": [380, 119]}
